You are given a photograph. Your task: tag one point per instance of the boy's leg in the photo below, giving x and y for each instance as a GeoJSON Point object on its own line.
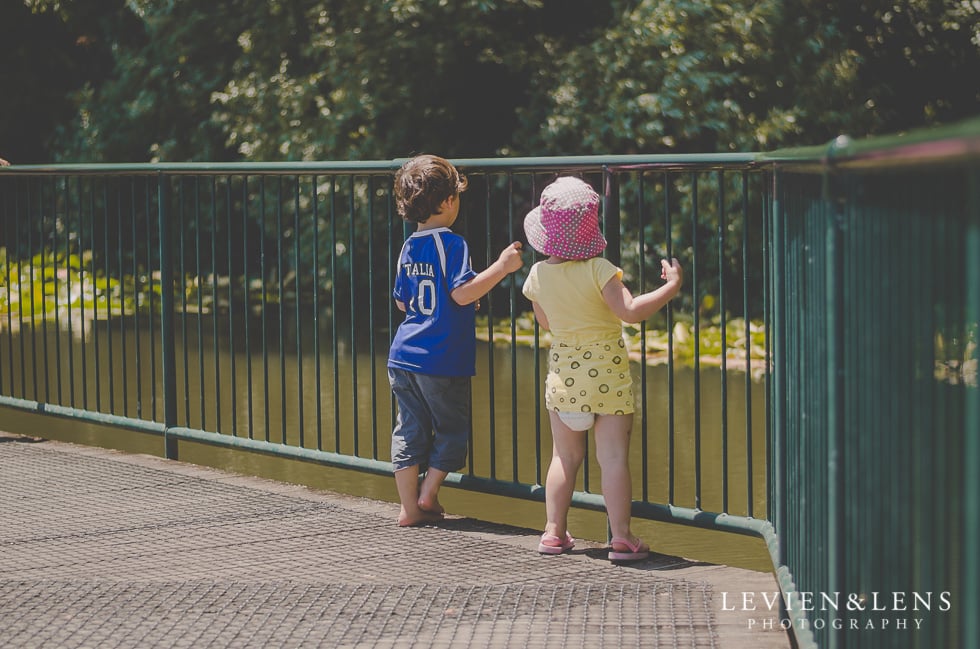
{"type": "Point", "coordinates": [428, 500]}
{"type": "Point", "coordinates": [450, 402]}
{"type": "Point", "coordinates": [568, 451]}
{"type": "Point", "coordinates": [612, 435]}
{"type": "Point", "coordinates": [407, 483]}
{"type": "Point", "coordinates": [409, 444]}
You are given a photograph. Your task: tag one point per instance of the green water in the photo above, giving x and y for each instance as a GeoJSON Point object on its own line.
{"type": "Point", "coordinates": [509, 441]}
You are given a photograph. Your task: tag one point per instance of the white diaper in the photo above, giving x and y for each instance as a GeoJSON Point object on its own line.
{"type": "Point", "coordinates": [577, 420]}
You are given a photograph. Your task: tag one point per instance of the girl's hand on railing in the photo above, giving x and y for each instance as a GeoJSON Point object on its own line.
{"type": "Point", "coordinates": [672, 273]}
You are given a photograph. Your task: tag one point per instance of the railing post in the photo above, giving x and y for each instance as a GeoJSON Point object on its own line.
{"type": "Point", "coordinates": [778, 432]}
{"type": "Point", "coordinates": [971, 450]}
{"type": "Point", "coordinates": [610, 214]}
{"type": "Point", "coordinates": [167, 330]}
{"type": "Point", "coordinates": [836, 202]}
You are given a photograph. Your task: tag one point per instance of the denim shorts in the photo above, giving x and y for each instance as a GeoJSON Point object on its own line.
{"type": "Point", "coordinates": [434, 420]}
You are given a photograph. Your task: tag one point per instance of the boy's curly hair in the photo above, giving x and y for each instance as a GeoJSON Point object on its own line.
{"type": "Point", "coordinates": [423, 183]}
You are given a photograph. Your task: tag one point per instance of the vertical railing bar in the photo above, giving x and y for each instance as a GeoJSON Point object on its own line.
{"type": "Point", "coordinates": [669, 230]}
{"type": "Point", "coordinates": [83, 290]}
{"type": "Point", "coordinates": [695, 219]}
{"type": "Point", "coordinates": [57, 311]}
{"type": "Point", "coordinates": [767, 315]}
{"type": "Point", "coordinates": [778, 501]}
{"type": "Point", "coordinates": [513, 335]}
{"type": "Point", "coordinates": [264, 301]}
{"type": "Point", "coordinates": [182, 284]}
{"type": "Point", "coordinates": [466, 210]}
{"type": "Point", "coordinates": [11, 249]}
{"type": "Point", "coordinates": [538, 459]}
{"type": "Point", "coordinates": [641, 273]}
{"type": "Point", "coordinates": [835, 424]}
{"type": "Point", "coordinates": [390, 220]}
{"type": "Point", "coordinates": [372, 353]}
{"type": "Point", "coordinates": [722, 225]}
{"type": "Point", "coordinates": [333, 312]}
{"type": "Point", "coordinates": [168, 332]}
{"type": "Point", "coordinates": [68, 274]}
{"type": "Point", "coordinates": [30, 266]}
{"type": "Point", "coordinates": [315, 197]}
{"type": "Point", "coordinates": [95, 302]}
{"type": "Point", "coordinates": [971, 445]}
{"type": "Point", "coordinates": [214, 302]}
{"type": "Point", "coordinates": [149, 269]}
{"type": "Point", "coordinates": [315, 194]}
{"type": "Point", "coordinates": [263, 310]}
{"type": "Point", "coordinates": [6, 263]}
{"type": "Point", "coordinates": [199, 282]}
{"type": "Point", "coordinates": [122, 297]}
{"type": "Point", "coordinates": [57, 260]}
{"type": "Point", "coordinates": [247, 301]}
{"type": "Point", "coordinates": [44, 280]}
{"type": "Point", "coordinates": [137, 288]}
{"type": "Point", "coordinates": [68, 290]}
{"type": "Point", "coordinates": [749, 475]}
{"type": "Point", "coordinates": [280, 254]}
{"type": "Point", "coordinates": [232, 369]}
{"type": "Point", "coordinates": [44, 301]}
{"type": "Point", "coordinates": [299, 319]}
{"type": "Point", "coordinates": [20, 284]}
{"type": "Point", "coordinates": [9, 300]}
{"type": "Point", "coordinates": [353, 320]}
{"type": "Point", "coordinates": [490, 364]}
{"type": "Point", "coordinates": [108, 295]}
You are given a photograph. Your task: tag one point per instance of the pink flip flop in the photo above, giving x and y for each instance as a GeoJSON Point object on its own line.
{"type": "Point", "coordinates": [551, 544]}
{"type": "Point", "coordinates": [637, 551]}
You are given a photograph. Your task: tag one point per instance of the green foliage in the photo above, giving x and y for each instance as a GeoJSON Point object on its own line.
{"type": "Point", "coordinates": [268, 80]}
{"type": "Point", "coordinates": [656, 345]}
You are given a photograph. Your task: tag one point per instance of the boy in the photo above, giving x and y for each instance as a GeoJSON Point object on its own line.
{"type": "Point", "coordinates": [433, 354]}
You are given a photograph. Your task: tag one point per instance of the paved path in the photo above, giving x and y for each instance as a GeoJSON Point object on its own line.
{"type": "Point", "coordinates": [102, 549]}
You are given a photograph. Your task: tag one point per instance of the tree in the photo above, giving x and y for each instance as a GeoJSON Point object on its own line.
{"type": "Point", "coordinates": [336, 79]}
{"type": "Point", "coordinates": [688, 76]}
{"type": "Point", "coordinates": [39, 81]}
{"type": "Point", "coordinates": [389, 79]}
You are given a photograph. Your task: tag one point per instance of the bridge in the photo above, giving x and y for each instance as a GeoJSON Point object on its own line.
{"type": "Point", "coordinates": [816, 387]}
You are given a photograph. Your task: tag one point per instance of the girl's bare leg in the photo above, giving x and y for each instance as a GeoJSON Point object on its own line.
{"type": "Point", "coordinates": [612, 435]}
{"type": "Point", "coordinates": [568, 450]}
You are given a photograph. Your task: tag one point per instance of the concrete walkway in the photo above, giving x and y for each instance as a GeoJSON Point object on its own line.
{"type": "Point", "coordinates": [103, 549]}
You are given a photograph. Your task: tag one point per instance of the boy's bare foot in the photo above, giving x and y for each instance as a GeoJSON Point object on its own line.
{"type": "Point", "coordinates": [431, 505]}
{"type": "Point", "coordinates": [421, 517]}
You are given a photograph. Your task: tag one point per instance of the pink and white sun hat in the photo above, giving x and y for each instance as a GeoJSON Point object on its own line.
{"type": "Point", "coordinates": [566, 223]}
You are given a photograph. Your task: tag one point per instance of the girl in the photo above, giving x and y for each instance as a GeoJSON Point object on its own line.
{"type": "Point", "coordinates": [581, 299]}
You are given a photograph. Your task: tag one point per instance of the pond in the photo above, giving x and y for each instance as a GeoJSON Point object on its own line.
{"type": "Point", "coordinates": [314, 388]}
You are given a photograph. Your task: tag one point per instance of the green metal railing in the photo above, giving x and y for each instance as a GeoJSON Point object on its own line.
{"type": "Point", "coordinates": [876, 310]}
{"type": "Point", "coordinates": [815, 385]}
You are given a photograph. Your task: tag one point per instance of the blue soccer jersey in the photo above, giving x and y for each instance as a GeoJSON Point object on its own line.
{"type": "Point", "coordinates": [437, 336]}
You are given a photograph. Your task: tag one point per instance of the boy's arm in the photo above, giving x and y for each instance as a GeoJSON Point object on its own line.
{"type": "Point", "coordinates": [400, 305]}
{"type": "Point", "coordinates": [508, 261]}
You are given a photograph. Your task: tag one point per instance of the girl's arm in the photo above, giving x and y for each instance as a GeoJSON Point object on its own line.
{"type": "Point", "coordinates": [631, 309]}
{"type": "Point", "coordinates": [541, 317]}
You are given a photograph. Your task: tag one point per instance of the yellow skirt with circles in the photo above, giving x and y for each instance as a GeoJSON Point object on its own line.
{"type": "Point", "coordinates": [589, 378]}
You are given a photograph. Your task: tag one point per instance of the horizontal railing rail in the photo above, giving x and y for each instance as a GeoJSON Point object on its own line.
{"type": "Point", "coordinates": [158, 276]}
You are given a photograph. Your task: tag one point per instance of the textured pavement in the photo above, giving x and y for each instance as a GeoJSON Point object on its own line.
{"type": "Point", "coordinates": [103, 549]}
